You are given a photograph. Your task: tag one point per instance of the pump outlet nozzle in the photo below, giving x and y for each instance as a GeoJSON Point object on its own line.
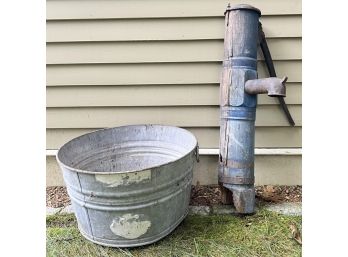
{"type": "Point", "coordinates": [271, 86]}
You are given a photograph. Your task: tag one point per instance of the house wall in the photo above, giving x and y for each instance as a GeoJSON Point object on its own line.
{"type": "Point", "coordinates": [112, 63]}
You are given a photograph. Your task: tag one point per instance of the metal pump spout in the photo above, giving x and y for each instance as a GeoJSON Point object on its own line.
{"type": "Point", "coordinates": [271, 86]}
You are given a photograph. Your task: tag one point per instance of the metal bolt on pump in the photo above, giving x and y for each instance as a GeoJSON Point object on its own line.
{"type": "Point", "coordinates": [238, 99]}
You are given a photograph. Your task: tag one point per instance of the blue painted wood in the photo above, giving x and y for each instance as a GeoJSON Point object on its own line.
{"type": "Point", "coordinates": [238, 110]}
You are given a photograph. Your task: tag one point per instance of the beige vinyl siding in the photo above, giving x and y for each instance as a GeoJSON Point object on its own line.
{"type": "Point", "coordinates": [122, 9]}
{"type": "Point", "coordinates": [183, 116]}
{"type": "Point", "coordinates": [151, 95]}
{"type": "Point", "coordinates": [166, 29]}
{"type": "Point", "coordinates": [113, 63]}
{"type": "Point", "coordinates": [154, 51]}
{"type": "Point", "coordinates": [154, 73]}
{"type": "Point", "coordinates": [208, 137]}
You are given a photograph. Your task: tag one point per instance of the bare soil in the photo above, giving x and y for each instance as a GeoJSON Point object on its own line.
{"type": "Point", "coordinates": [57, 197]}
{"type": "Point", "coordinates": [211, 195]}
{"type": "Point", "coordinates": [279, 194]}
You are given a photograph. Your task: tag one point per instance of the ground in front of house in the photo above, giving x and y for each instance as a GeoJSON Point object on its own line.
{"type": "Point", "coordinates": [265, 233]}
{"type": "Point", "coordinates": [57, 197]}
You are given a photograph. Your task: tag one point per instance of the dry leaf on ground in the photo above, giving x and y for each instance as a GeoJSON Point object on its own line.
{"type": "Point", "coordinates": [295, 233]}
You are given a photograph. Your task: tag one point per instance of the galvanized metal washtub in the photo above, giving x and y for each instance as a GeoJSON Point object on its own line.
{"type": "Point", "coordinates": [129, 186]}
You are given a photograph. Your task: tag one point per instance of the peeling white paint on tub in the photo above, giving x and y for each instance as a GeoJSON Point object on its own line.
{"type": "Point", "coordinates": [117, 179]}
{"type": "Point", "coordinates": [129, 226]}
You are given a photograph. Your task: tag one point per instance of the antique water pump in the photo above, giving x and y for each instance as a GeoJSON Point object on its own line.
{"type": "Point", "coordinates": [239, 88]}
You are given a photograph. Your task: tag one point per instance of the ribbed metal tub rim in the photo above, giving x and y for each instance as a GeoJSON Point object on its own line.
{"type": "Point", "coordinates": [196, 147]}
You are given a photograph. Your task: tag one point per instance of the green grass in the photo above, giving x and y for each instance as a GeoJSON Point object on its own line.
{"type": "Point", "coordinates": [263, 234]}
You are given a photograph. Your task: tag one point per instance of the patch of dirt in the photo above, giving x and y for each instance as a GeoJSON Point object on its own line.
{"type": "Point", "coordinates": [205, 195]}
{"type": "Point", "coordinates": [211, 195]}
{"type": "Point", "coordinates": [277, 194]}
{"type": "Point", "coordinates": [57, 197]}
{"type": "Point", "coordinates": [200, 195]}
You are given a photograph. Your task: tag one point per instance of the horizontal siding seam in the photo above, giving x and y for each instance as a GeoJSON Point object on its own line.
{"type": "Point", "coordinates": [191, 17]}
{"type": "Point", "coordinates": [160, 62]}
{"type": "Point", "coordinates": [154, 40]}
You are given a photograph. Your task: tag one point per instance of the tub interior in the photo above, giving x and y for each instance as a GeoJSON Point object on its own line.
{"type": "Point", "coordinates": [123, 157]}
{"type": "Point", "coordinates": [129, 148]}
